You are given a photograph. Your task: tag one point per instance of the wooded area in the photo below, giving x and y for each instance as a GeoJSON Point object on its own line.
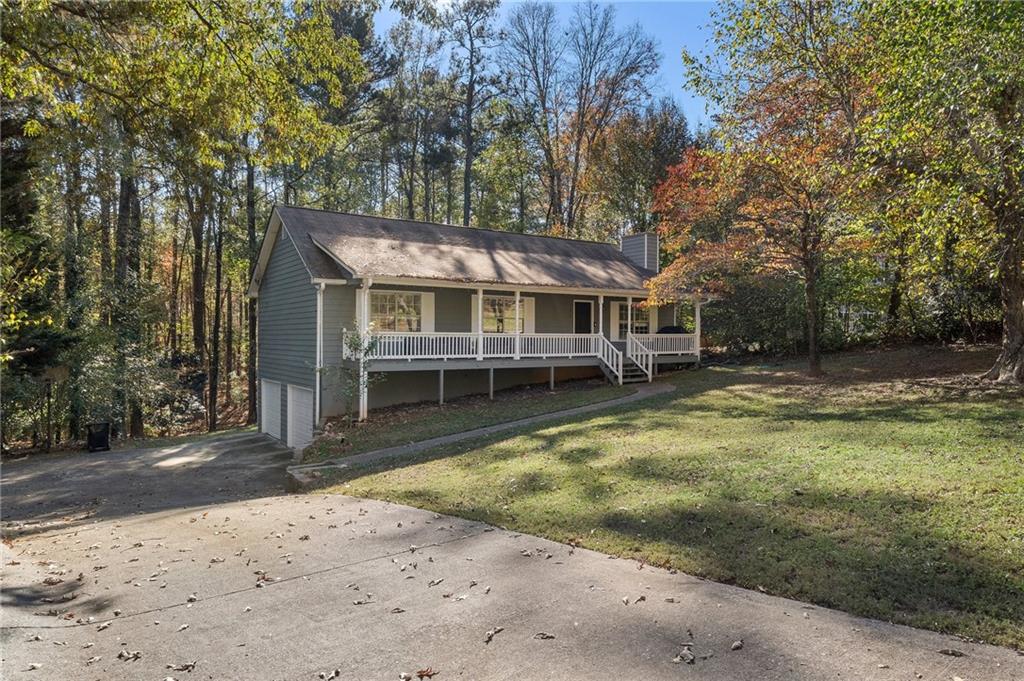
{"type": "Point", "coordinates": [862, 181]}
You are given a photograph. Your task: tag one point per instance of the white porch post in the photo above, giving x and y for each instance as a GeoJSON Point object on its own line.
{"type": "Point", "coordinates": [629, 315]}
{"type": "Point", "coordinates": [364, 327]}
{"type": "Point", "coordinates": [479, 324]}
{"type": "Point", "coordinates": [600, 315]}
{"type": "Point", "coordinates": [319, 349]}
{"type": "Point", "coordinates": [518, 333]}
{"type": "Point", "coordinates": [696, 326]}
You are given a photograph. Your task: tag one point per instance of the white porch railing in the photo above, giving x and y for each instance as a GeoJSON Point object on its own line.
{"type": "Point", "coordinates": [558, 345]}
{"type": "Point", "coordinates": [640, 348]}
{"type": "Point", "coordinates": [640, 355]}
{"type": "Point", "coordinates": [466, 345]}
{"type": "Point", "coordinates": [668, 343]}
{"type": "Point", "coordinates": [611, 356]}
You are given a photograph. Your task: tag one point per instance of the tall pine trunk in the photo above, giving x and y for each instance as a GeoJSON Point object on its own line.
{"type": "Point", "coordinates": [229, 337]}
{"type": "Point", "coordinates": [125, 314]}
{"type": "Point", "coordinates": [73, 279]}
{"type": "Point", "coordinates": [250, 227]}
{"type": "Point", "coordinates": [215, 339]}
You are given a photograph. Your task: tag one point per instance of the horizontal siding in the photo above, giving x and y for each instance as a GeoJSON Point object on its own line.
{"type": "Point", "coordinates": [339, 313]}
{"type": "Point", "coordinates": [634, 247]}
{"type": "Point", "coordinates": [286, 323]}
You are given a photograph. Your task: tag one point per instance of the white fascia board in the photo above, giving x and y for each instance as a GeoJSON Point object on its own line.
{"type": "Point", "coordinates": [269, 239]}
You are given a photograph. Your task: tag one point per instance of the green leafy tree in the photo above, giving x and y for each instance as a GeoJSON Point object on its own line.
{"type": "Point", "coordinates": [950, 81]}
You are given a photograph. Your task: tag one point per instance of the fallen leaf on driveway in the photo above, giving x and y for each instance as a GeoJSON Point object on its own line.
{"type": "Point", "coordinates": [684, 656]}
{"type": "Point", "coordinates": [426, 673]}
{"type": "Point", "coordinates": [435, 582]}
{"type": "Point", "coordinates": [543, 636]}
{"type": "Point", "coordinates": [640, 599]}
{"type": "Point", "coordinates": [396, 611]}
{"type": "Point", "coordinates": [737, 645]}
{"type": "Point", "coordinates": [952, 652]}
{"type": "Point", "coordinates": [491, 633]}
{"type": "Point", "coordinates": [35, 665]}
{"type": "Point", "coordinates": [103, 626]}
{"type": "Point", "coordinates": [183, 667]}
{"type": "Point", "coordinates": [96, 658]}
{"type": "Point", "coordinates": [183, 627]}
{"type": "Point", "coordinates": [129, 655]}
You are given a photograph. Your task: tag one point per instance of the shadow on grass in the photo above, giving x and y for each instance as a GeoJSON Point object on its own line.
{"type": "Point", "coordinates": [838, 552]}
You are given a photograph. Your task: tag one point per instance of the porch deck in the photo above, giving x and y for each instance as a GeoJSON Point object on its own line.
{"type": "Point", "coordinates": [401, 351]}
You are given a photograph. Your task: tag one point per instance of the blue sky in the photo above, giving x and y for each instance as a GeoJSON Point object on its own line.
{"type": "Point", "coordinates": [674, 25]}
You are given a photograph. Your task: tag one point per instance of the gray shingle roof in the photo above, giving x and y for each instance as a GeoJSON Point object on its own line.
{"type": "Point", "coordinates": [370, 246]}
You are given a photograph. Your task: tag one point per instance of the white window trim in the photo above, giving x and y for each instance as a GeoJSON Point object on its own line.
{"type": "Point", "coordinates": [613, 320]}
{"type": "Point", "coordinates": [426, 308]}
{"type": "Point", "coordinates": [589, 302]}
{"type": "Point", "coordinates": [527, 302]}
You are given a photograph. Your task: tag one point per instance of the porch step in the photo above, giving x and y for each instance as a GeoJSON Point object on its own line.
{"type": "Point", "coordinates": [631, 373]}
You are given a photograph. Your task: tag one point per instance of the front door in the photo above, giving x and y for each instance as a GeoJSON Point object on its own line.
{"type": "Point", "coordinates": [583, 316]}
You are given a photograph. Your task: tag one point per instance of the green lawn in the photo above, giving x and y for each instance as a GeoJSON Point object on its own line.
{"type": "Point", "coordinates": [405, 424]}
{"type": "Point", "coordinates": [877, 491]}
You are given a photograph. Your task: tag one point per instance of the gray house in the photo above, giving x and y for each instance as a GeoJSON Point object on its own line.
{"type": "Point", "coordinates": [438, 310]}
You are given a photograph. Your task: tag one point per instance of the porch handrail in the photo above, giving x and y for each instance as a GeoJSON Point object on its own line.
{"type": "Point", "coordinates": [640, 355]}
{"type": "Point", "coordinates": [669, 343]}
{"type": "Point", "coordinates": [410, 345]}
{"type": "Point", "coordinates": [610, 355]}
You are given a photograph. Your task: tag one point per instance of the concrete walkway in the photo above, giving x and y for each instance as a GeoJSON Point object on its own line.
{"type": "Point", "coordinates": [304, 474]}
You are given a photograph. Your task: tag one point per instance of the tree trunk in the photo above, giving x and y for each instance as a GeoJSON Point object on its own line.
{"type": "Point", "coordinates": [73, 243]}
{"type": "Point", "coordinates": [105, 259]}
{"type": "Point", "coordinates": [467, 142]}
{"type": "Point", "coordinates": [215, 340]}
{"type": "Point", "coordinates": [135, 425]}
{"type": "Point", "coordinates": [172, 321]}
{"type": "Point", "coordinates": [250, 226]}
{"type": "Point", "coordinates": [811, 312]}
{"type": "Point", "coordinates": [125, 315]}
{"type": "Point", "coordinates": [1009, 367]}
{"type": "Point", "coordinates": [229, 337]}
{"type": "Point", "coordinates": [198, 207]}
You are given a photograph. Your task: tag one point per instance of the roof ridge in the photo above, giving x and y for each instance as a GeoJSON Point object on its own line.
{"type": "Point", "coordinates": [445, 224]}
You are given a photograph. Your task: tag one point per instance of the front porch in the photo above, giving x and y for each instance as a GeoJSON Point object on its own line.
{"type": "Point", "coordinates": [408, 328]}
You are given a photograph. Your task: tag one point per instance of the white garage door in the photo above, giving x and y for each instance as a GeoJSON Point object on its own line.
{"type": "Point", "coordinates": [270, 407]}
{"type": "Point", "coordinates": [300, 417]}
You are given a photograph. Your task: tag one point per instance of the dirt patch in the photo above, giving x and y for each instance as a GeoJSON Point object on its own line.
{"type": "Point", "coordinates": [401, 414]}
{"type": "Point", "coordinates": [902, 373]}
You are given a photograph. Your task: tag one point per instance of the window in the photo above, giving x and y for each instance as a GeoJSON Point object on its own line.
{"type": "Point", "coordinates": [500, 314]}
{"type": "Point", "coordinates": [396, 311]}
{"type": "Point", "coordinates": [641, 320]}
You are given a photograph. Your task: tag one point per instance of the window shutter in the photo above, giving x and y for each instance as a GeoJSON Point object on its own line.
{"type": "Point", "coordinates": [427, 311]}
{"type": "Point", "coordinates": [653, 324]}
{"type": "Point", "coordinates": [530, 323]}
{"type": "Point", "coordinates": [613, 321]}
{"type": "Point", "coordinates": [474, 313]}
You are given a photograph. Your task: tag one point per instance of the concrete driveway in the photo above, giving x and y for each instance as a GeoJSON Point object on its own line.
{"type": "Point", "coordinates": [186, 563]}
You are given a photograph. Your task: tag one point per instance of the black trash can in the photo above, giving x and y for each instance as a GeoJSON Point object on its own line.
{"type": "Point", "coordinates": [98, 436]}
